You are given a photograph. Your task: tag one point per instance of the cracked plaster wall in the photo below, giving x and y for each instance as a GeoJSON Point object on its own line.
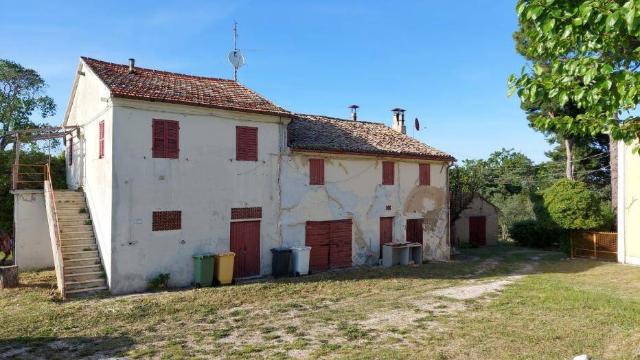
{"type": "Point", "coordinates": [353, 190]}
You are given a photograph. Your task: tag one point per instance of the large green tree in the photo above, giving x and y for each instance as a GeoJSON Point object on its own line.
{"type": "Point", "coordinates": [586, 53]}
{"type": "Point", "coordinates": [21, 95]}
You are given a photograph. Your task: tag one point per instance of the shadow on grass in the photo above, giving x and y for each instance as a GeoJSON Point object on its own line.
{"type": "Point", "coordinates": [486, 262]}
{"type": "Point", "coordinates": [64, 347]}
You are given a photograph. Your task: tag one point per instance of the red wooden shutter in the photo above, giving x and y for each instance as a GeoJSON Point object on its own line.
{"type": "Point", "coordinates": [246, 143]}
{"type": "Point", "coordinates": [70, 150]}
{"type": "Point", "coordinates": [316, 171]}
{"type": "Point", "coordinates": [172, 139]}
{"type": "Point", "coordinates": [158, 131]}
{"type": "Point", "coordinates": [425, 174]}
{"type": "Point", "coordinates": [101, 139]}
{"type": "Point", "coordinates": [165, 138]}
{"type": "Point", "coordinates": [387, 172]}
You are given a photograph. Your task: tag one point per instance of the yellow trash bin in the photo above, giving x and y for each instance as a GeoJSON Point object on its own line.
{"type": "Point", "coordinates": [224, 268]}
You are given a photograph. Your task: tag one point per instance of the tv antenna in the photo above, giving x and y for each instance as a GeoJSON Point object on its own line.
{"type": "Point", "coordinates": [235, 56]}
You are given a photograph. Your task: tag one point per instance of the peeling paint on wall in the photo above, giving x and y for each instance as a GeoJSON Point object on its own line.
{"type": "Point", "coordinates": [353, 190]}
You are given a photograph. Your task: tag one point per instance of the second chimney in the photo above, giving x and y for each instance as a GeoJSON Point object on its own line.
{"type": "Point", "coordinates": [132, 65]}
{"type": "Point", "coordinates": [354, 112]}
{"type": "Point", "coordinates": [398, 120]}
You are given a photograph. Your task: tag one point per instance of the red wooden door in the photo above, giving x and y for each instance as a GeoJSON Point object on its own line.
{"type": "Point", "coordinates": [245, 243]}
{"type": "Point", "coordinates": [386, 231]}
{"type": "Point", "coordinates": [330, 243]}
{"type": "Point", "coordinates": [340, 250]}
{"type": "Point", "coordinates": [317, 236]}
{"type": "Point", "coordinates": [414, 230]}
{"type": "Point", "coordinates": [478, 230]}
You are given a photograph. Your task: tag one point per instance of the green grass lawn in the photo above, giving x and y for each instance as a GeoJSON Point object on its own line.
{"type": "Point", "coordinates": [501, 303]}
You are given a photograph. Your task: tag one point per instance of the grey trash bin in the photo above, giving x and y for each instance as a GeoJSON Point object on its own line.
{"type": "Point", "coordinates": [301, 256]}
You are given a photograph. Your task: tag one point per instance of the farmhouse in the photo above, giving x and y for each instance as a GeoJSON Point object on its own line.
{"type": "Point", "coordinates": [170, 165]}
{"type": "Point", "coordinates": [477, 223]}
{"type": "Point", "coordinates": [628, 206]}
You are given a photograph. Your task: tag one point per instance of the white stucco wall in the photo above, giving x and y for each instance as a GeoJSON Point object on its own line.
{"type": "Point", "coordinates": [90, 104]}
{"type": "Point", "coordinates": [628, 204]}
{"type": "Point", "coordinates": [204, 183]}
{"type": "Point", "coordinates": [32, 241]}
{"type": "Point", "coordinates": [353, 190]}
{"type": "Point", "coordinates": [477, 207]}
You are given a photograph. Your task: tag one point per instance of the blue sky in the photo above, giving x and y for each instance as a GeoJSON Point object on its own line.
{"type": "Point", "coordinates": [447, 63]}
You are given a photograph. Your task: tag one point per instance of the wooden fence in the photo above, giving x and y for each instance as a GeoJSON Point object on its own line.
{"type": "Point", "coordinates": [595, 245]}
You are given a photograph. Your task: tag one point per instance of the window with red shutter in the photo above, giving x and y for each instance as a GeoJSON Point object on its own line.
{"type": "Point", "coordinates": [425, 174]}
{"type": "Point", "coordinates": [316, 171]}
{"type": "Point", "coordinates": [101, 139]}
{"type": "Point", "coordinates": [246, 143]}
{"type": "Point", "coordinates": [387, 172]}
{"type": "Point", "coordinates": [165, 139]}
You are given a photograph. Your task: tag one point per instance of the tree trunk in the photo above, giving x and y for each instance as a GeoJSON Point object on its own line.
{"type": "Point", "coordinates": [568, 145]}
{"type": "Point", "coordinates": [613, 165]}
{"type": "Point", "coordinates": [8, 277]}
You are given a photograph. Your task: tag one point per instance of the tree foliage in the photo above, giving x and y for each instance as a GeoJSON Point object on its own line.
{"type": "Point", "coordinates": [586, 54]}
{"type": "Point", "coordinates": [21, 95]}
{"type": "Point", "coordinates": [573, 206]}
{"type": "Point", "coordinates": [58, 173]}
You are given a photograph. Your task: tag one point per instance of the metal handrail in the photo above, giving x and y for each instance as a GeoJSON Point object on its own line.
{"type": "Point", "coordinates": [15, 174]}
{"type": "Point", "coordinates": [48, 183]}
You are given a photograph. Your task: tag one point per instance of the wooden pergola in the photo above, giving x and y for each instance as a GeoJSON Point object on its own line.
{"type": "Point", "coordinates": [30, 176]}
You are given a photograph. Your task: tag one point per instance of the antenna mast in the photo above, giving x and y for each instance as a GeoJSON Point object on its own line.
{"type": "Point", "coordinates": [235, 57]}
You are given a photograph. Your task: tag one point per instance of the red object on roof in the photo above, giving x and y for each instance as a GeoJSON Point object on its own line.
{"type": "Point", "coordinates": [163, 86]}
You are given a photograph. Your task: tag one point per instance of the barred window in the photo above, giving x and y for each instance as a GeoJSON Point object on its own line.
{"type": "Point", "coordinates": [167, 220]}
{"type": "Point", "coordinates": [246, 213]}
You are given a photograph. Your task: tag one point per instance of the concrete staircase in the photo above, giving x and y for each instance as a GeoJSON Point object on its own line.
{"type": "Point", "coordinates": [83, 273]}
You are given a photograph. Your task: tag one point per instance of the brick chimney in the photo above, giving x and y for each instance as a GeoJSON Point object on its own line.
{"type": "Point", "coordinates": [398, 120]}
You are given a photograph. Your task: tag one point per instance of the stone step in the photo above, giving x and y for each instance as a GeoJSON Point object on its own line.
{"type": "Point", "coordinates": [75, 228]}
{"type": "Point", "coordinates": [86, 291]}
{"type": "Point", "coordinates": [76, 234]}
{"type": "Point", "coordinates": [70, 270]}
{"type": "Point", "coordinates": [66, 240]}
{"type": "Point", "coordinates": [75, 217]}
{"type": "Point", "coordinates": [70, 212]}
{"type": "Point", "coordinates": [82, 254]}
{"type": "Point", "coordinates": [68, 193]}
{"type": "Point", "coordinates": [87, 246]}
{"type": "Point", "coordinates": [84, 276]}
{"type": "Point", "coordinates": [83, 284]}
{"type": "Point", "coordinates": [72, 263]}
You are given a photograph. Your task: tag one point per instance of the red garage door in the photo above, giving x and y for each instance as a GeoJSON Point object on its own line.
{"type": "Point", "coordinates": [245, 243]}
{"type": "Point", "coordinates": [478, 230]}
{"type": "Point", "coordinates": [330, 243]}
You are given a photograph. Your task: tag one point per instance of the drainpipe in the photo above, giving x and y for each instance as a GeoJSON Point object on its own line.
{"type": "Point", "coordinates": [448, 197]}
{"type": "Point", "coordinates": [621, 203]}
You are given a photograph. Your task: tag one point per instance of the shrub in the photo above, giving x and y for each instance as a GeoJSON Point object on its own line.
{"type": "Point", "coordinates": [159, 282]}
{"type": "Point", "coordinates": [532, 233]}
{"type": "Point", "coordinates": [572, 206]}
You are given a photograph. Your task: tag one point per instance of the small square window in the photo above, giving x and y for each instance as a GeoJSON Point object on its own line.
{"type": "Point", "coordinates": [167, 220]}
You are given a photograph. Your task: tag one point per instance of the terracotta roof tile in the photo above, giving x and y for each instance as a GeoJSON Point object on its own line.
{"type": "Point", "coordinates": [327, 134]}
{"type": "Point", "coordinates": [162, 86]}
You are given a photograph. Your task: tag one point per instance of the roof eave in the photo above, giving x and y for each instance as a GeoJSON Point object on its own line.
{"type": "Point", "coordinates": [378, 154]}
{"type": "Point", "coordinates": [178, 102]}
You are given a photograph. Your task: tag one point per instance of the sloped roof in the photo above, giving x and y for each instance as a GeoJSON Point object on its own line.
{"type": "Point", "coordinates": [163, 86]}
{"type": "Point", "coordinates": [328, 134]}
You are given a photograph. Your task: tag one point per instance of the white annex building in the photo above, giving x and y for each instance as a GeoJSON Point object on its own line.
{"type": "Point", "coordinates": [168, 166]}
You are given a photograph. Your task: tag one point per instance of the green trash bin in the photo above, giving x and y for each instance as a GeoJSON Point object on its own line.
{"type": "Point", "coordinates": [203, 270]}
